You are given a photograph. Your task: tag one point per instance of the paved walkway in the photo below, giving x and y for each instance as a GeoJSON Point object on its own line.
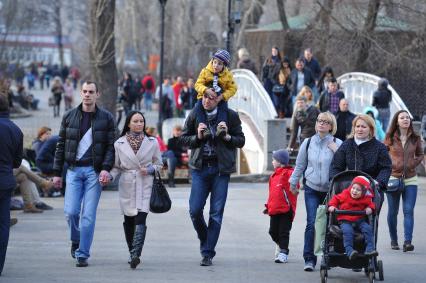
{"type": "Point", "coordinates": [39, 247]}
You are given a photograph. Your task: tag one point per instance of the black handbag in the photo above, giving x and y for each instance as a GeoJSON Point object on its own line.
{"type": "Point", "coordinates": [395, 185]}
{"type": "Point", "coordinates": [160, 201]}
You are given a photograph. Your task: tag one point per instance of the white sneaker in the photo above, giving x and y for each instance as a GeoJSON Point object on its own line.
{"type": "Point", "coordinates": [281, 258]}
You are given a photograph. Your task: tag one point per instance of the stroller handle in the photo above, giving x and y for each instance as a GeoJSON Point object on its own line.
{"type": "Point", "coordinates": [350, 212]}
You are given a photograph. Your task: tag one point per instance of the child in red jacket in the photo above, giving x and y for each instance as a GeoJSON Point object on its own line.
{"type": "Point", "coordinates": [355, 197]}
{"type": "Point", "coordinates": [281, 205]}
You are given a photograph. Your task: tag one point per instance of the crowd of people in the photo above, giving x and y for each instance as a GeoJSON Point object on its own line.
{"type": "Point", "coordinates": [88, 155]}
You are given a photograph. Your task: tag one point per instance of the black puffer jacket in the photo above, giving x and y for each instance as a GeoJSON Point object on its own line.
{"type": "Point", "coordinates": [225, 150]}
{"type": "Point", "coordinates": [103, 135]}
{"type": "Point", "coordinates": [370, 157]}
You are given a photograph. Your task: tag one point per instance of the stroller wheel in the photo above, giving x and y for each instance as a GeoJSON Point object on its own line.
{"type": "Point", "coordinates": [380, 267]}
{"type": "Point", "coordinates": [323, 273]}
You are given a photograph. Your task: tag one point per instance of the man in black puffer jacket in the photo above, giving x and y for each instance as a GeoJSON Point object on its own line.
{"type": "Point", "coordinates": [86, 144]}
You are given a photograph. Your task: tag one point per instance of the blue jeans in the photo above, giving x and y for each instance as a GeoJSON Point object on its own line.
{"type": "Point", "coordinates": [384, 117]}
{"type": "Point", "coordinates": [348, 235]}
{"type": "Point", "coordinates": [409, 196]}
{"type": "Point", "coordinates": [83, 187]}
{"type": "Point", "coordinates": [205, 181]}
{"type": "Point", "coordinates": [312, 200]}
{"type": "Point", "coordinates": [148, 100]}
{"type": "Point", "coordinates": [171, 162]}
{"type": "Point", "coordinates": [5, 196]}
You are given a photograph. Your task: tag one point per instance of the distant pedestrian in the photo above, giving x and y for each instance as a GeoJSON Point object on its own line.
{"type": "Point", "coordinates": [281, 205]}
{"type": "Point", "coordinates": [11, 143]}
{"type": "Point", "coordinates": [57, 91]}
{"type": "Point", "coordinates": [270, 69]}
{"type": "Point", "coordinates": [86, 143]}
{"type": "Point", "coordinates": [382, 98]}
{"type": "Point", "coordinates": [245, 62]}
{"type": "Point", "coordinates": [344, 119]}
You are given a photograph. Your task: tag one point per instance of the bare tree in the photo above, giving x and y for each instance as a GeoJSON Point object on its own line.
{"type": "Point", "coordinates": [282, 14]}
{"type": "Point", "coordinates": [102, 50]}
{"type": "Point", "coordinates": [364, 42]}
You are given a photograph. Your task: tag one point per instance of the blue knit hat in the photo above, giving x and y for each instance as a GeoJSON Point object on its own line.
{"type": "Point", "coordinates": [281, 156]}
{"type": "Point", "coordinates": [223, 56]}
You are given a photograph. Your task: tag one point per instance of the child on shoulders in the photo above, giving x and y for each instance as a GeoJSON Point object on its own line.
{"type": "Point", "coordinates": [215, 82]}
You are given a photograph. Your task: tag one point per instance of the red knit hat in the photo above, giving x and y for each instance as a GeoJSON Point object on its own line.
{"type": "Point", "coordinates": [363, 181]}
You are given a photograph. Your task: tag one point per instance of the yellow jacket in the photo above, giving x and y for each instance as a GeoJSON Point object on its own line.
{"type": "Point", "coordinates": [226, 82]}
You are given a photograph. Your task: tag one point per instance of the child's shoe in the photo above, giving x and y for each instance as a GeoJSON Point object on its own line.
{"type": "Point", "coordinates": [281, 258]}
{"type": "Point", "coordinates": [371, 253]}
{"type": "Point", "coordinates": [353, 255]}
{"type": "Point", "coordinates": [221, 131]}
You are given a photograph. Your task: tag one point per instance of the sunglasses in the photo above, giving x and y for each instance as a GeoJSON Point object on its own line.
{"type": "Point", "coordinates": [88, 91]}
{"type": "Point", "coordinates": [325, 122]}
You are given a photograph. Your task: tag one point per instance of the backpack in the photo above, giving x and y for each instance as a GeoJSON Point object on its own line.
{"type": "Point", "coordinates": [149, 84]}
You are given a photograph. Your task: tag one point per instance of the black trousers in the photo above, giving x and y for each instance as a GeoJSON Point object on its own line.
{"type": "Point", "coordinates": [279, 229]}
{"type": "Point", "coordinates": [5, 196]}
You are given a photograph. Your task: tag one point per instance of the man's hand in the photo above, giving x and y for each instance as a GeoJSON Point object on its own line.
{"type": "Point", "coordinates": [104, 178]}
{"type": "Point", "coordinates": [201, 128]}
{"type": "Point", "coordinates": [294, 190]}
{"type": "Point", "coordinates": [331, 208]}
{"type": "Point", "coordinates": [368, 211]}
{"type": "Point", "coordinates": [57, 182]}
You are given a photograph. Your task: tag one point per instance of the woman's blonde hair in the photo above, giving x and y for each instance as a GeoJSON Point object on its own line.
{"type": "Point", "coordinates": [330, 118]}
{"type": "Point", "coordinates": [305, 90]}
{"type": "Point", "coordinates": [368, 120]}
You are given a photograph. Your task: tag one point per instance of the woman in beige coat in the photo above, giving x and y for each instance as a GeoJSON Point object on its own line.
{"type": "Point", "coordinates": [137, 157]}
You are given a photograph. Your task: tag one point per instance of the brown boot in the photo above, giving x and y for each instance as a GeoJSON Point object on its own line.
{"type": "Point", "coordinates": [30, 208]}
{"type": "Point", "coordinates": [281, 115]}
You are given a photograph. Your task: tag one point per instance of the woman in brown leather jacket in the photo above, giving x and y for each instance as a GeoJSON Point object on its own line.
{"type": "Point", "coordinates": [406, 152]}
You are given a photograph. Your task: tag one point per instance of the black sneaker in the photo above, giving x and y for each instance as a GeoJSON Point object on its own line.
{"type": "Point", "coordinates": [206, 261]}
{"type": "Point", "coordinates": [353, 255]}
{"type": "Point", "coordinates": [43, 206]}
{"type": "Point", "coordinates": [407, 247]}
{"type": "Point", "coordinates": [394, 245]}
{"type": "Point", "coordinates": [81, 262]}
{"type": "Point", "coordinates": [74, 247]}
{"type": "Point", "coordinates": [371, 253]}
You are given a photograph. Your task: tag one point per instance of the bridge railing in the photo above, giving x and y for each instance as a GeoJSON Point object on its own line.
{"type": "Point", "coordinates": [359, 88]}
{"type": "Point", "coordinates": [252, 99]}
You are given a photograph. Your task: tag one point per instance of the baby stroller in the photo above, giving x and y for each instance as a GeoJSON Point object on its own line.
{"type": "Point", "coordinates": [333, 249]}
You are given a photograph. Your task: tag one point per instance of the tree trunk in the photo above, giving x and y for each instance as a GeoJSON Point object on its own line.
{"type": "Point", "coordinates": [256, 13]}
{"type": "Point", "coordinates": [282, 14]}
{"type": "Point", "coordinates": [325, 12]}
{"type": "Point", "coordinates": [102, 51]}
{"type": "Point", "coordinates": [364, 42]}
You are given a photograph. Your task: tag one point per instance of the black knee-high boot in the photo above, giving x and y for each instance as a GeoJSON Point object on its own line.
{"type": "Point", "coordinates": [129, 231]}
{"type": "Point", "coordinates": [137, 245]}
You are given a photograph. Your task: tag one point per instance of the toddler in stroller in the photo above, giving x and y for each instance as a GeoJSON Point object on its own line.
{"type": "Point", "coordinates": [351, 229]}
{"type": "Point", "coordinates": [355, 198]}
